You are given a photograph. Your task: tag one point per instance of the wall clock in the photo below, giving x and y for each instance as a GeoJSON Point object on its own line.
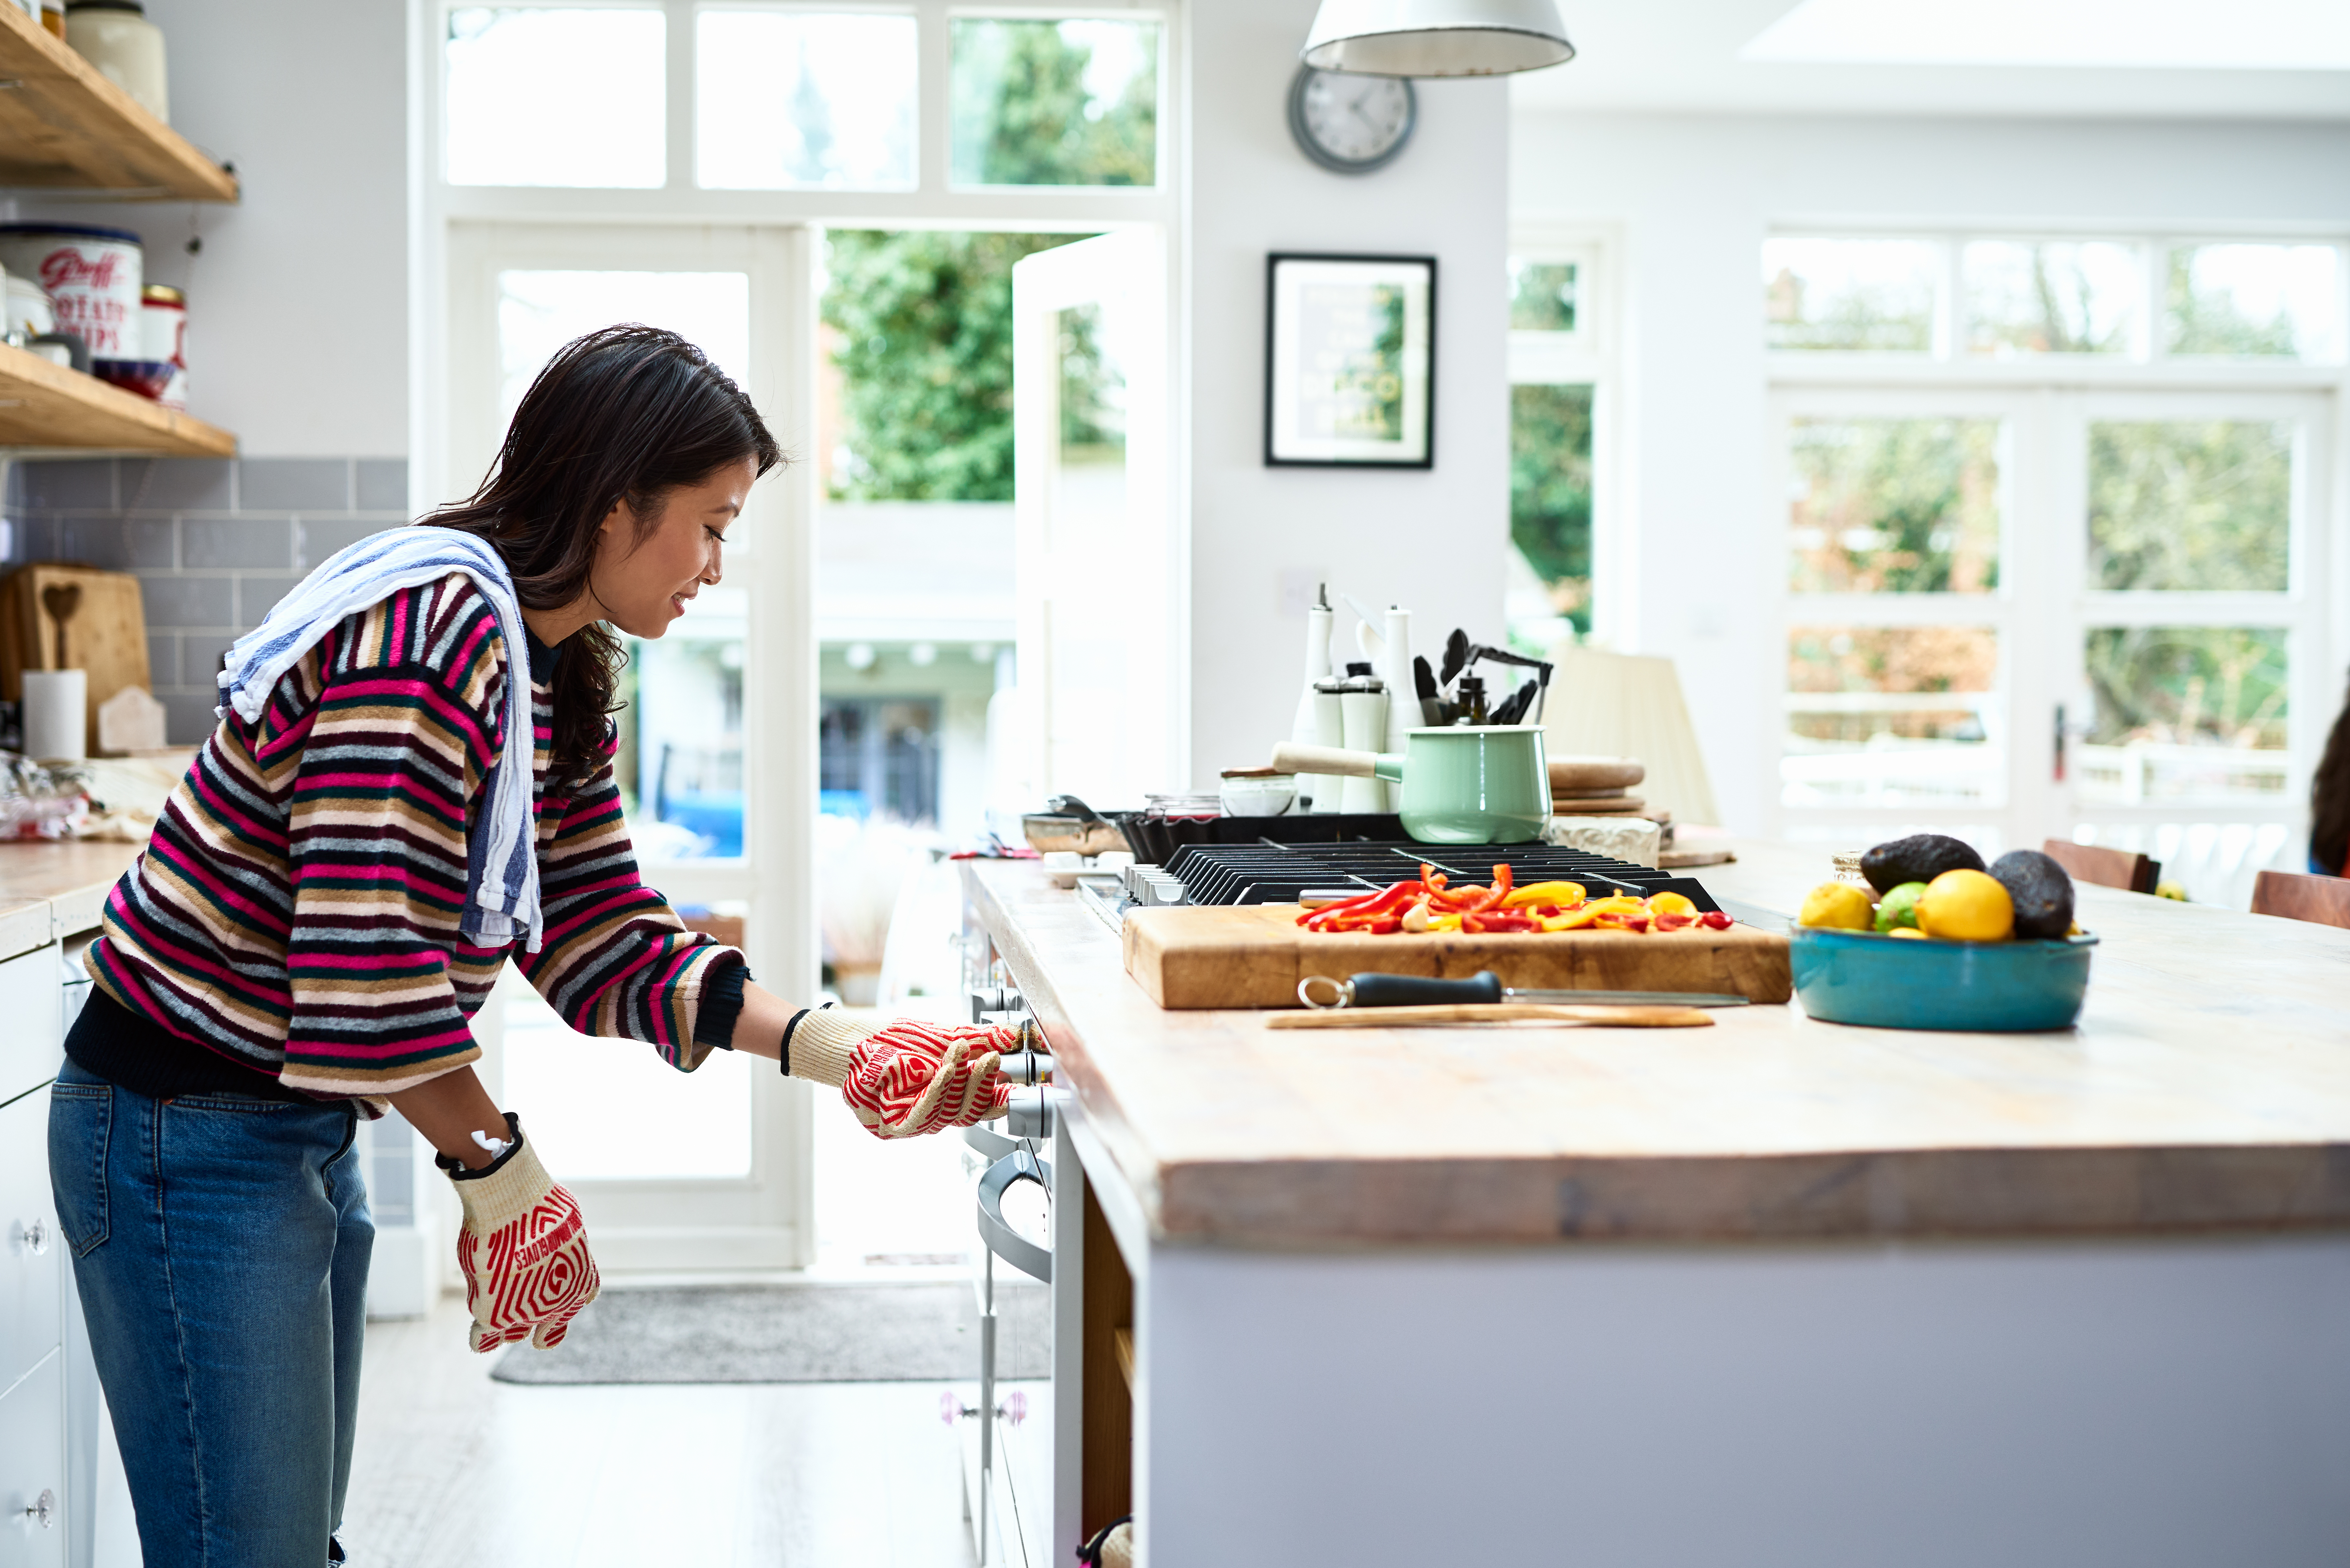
{"type": "Point", "coordinates": [1350, 124]}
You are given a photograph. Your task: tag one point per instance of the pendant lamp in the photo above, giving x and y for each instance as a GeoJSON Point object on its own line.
{"type": "Point", "coordinates": [1436, 37]}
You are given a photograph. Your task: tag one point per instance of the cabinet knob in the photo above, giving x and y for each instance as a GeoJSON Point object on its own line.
{"type": "Point", "coordinates": [44, 1508]}
{"type": "Point", "coordinates": [36, 1237]}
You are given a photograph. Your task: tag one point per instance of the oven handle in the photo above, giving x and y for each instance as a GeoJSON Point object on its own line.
{"type": "Point", "coordinates": [1001, 1240]}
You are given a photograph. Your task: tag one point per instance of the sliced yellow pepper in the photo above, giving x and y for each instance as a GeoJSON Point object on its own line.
{"type": "Point", "coordinates": [1568, 893]}
{"type": "Point", "coordinates": [1671, 904]}
{"type": "Point", "coordinates": [1443, 922]}
{"type": "Point", "coordinates": [1573, 920]}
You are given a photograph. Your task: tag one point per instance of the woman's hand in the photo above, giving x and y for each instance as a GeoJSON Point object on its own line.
{"type": "Point", "coordinates": [522, 1248]}
{"type": "Point", "coordinates": [903, 1078]}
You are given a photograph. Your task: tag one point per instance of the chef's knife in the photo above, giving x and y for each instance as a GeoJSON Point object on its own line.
{"type": "Point", "coordinates": [1485, 986]}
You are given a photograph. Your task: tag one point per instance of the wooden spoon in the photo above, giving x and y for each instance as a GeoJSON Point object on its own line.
{"type": "Point", "coordinates": [61, 600]}
{"type": "Point", "coordinates": [1490, 1013]}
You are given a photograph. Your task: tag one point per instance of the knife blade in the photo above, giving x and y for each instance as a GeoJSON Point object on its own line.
{"type": "Point", "coordinates": [1372, 990]}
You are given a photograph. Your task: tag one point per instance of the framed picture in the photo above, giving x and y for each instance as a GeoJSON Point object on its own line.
{"type": "Point", "coordinates": [1349, 361]}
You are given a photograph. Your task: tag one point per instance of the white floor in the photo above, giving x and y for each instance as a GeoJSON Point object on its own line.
{"type": "Point", "coordinates": [455, 1471]}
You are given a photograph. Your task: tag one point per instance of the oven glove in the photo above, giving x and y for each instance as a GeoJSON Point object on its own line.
{"type": "Point", "coordinates": [522, 1248]}
{"type": "Point", "coordinates": [907, 1077]}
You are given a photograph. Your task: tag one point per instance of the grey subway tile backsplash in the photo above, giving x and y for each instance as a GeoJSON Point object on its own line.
{"type": "Point", "coordinates": [382, 484]}
{"type": "Point", "coordinates": [202, 653]}
{"type": "Point", "coordinates": [260, 542]}
{"type": "Point", "coordinates": [163, 658]}
{"type": "Point", "coordinates": [294, 484]}
{"type": "Point", "coordinates": [314, 540]}
{"type": "Point", "coordinates": [82, 483]}
{"type": "Point", "coordinates": [188, 717]}
{"type": "Point", "coordinates": [176, 483]}
{"type": "Point", "coordinates": [118, 543]}
{"type": "Point", "coordinates": [255, 595]}
{"type": "Point", "coordinates": [183, 601]}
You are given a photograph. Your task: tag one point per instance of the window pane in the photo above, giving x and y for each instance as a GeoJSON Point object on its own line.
{"type": "Point", "coordinates": [556, 98]}
{"type": "Point", "coordinates": [1869, 295]}
{"type": "Point", "coordinates": [2185, 507]}
{"type": "Point", "coordinates": [539, 312]}
{"type": "Point", "coordinates": [610, 1110]}
{"type": "Point", "coordinates": [794, 99]}
{"type": "Point", "coordinates": [680, 765]}
{"type": "Point", "coordinates": [2264, 301]}
{"type": "Point", "coordinates": [2052, 298]}
{"type": "Point", "coordinates": [1054, 103]}
{"type": "Point", "coordinates": [1893, 716]}
{"type": "Point", "coordinates": [1542, 296]}
{"type": "Point", "coordinates": [1550, 515]}
{"type": "Point", "coordinates": [1905, 506]}
{"type": "Point", "coordinates": [2185, 713]}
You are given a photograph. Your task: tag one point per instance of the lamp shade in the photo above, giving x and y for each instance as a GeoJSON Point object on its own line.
{"type": "Point", "coordinates": [1436, 37]}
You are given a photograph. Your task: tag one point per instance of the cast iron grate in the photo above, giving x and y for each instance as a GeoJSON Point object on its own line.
{"type": "Point", "coordinates": [1280, 873]}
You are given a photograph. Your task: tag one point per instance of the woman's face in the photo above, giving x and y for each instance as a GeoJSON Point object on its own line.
{"type": "Point", "coordinates": [642, 584]}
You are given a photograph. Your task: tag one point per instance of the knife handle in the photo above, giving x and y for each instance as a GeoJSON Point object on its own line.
{"type": "Point", "coordinates": [1423, 990]}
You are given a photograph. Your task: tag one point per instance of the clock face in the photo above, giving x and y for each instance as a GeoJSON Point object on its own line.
{"type": "Point", "coordinates": [1350, 123]}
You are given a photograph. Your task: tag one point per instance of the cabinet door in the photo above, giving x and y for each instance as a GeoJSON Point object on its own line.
{"type": "Point", "coordinates": [33, 1043]}
{"type": "Point", "coordinates": [33, 1469]}
{"type": "Point", "coordinates": [31, 1254]}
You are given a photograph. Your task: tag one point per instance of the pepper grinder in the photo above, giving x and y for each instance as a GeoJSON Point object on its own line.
{"type": "Point", "coordinates": [1363, 704]}
{"type": "Point", "coordinates": [1403, 713]}
{"type": "Point", "coordinates": [1305, 729]}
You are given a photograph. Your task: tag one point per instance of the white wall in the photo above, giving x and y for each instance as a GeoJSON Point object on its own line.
{"type": "Point", "coordinates": [1430, 541]}
{"type": "Point", "coordinates": [1693, 197]}
{"type": "Point", "coordinates": [297, 308]}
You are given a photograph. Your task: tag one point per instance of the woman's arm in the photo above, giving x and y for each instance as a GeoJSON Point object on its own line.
{"type": "Point", "coordinates": [759, 1027]}
{"type": "Point", "coordinates": [448, 1110]}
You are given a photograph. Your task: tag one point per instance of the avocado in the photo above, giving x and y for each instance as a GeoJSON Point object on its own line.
{"type": "Point", "coordinates": [1921, 857]}
{"type": "Point", "coordinates": [2042, 891]}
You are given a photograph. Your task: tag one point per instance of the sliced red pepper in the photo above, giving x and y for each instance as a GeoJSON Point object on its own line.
{"type": "Point", "coordinates": [1674, 923]}
{"type": "Point", "coordinates": [1374, 905]}
{"type": "Point", "coordinates": [1715, 920]}
{"type": "Point", "coordinates": [1499, 923]}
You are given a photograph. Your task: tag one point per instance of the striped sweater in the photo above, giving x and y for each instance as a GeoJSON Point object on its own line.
{"type": "Point", "coordinates": [297, 908]}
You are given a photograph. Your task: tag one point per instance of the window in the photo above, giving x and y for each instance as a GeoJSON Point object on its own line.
{"type": "Point", "coordinates": [2061, 571]}
{"type": "Point", "coordinates": [547, 96]}
{"type": "Point", "coordinates": [1070, 103]}
{"type": "Point", "coordinates": [845, 120]}
{"type": "Point", "coordinates": [1556, 369]}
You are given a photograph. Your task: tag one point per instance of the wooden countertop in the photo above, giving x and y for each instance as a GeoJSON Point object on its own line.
{"type": "Point", "coordinates": [2207, 1087]}
{"type": "Point", "coordinates": [51, 891]}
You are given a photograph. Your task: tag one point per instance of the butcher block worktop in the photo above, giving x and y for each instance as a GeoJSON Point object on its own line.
{"type": "Point", "coordinates": [51, 891]}
{"type": "Point", "coordinates": [2207, 1087]}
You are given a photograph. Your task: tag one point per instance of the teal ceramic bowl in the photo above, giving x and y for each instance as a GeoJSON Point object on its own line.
{"type": "Point", "coordinates": [1890, 983]}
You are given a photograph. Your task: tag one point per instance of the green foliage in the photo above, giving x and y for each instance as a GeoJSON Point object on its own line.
{"type": "Point", "coordinates": [1542, 296]}
{"type": "Point", "coordinates": [925, 355]}
{"type": "Point", "coordinates": [1550, 491]}
{"type": "Point", "coordinates": [1022, 114]}
{"type": "Point", "coordinates": [2208, 323]}
{"type": "Point", "coordinates": [2222, 686]}
{"type": "Point", "coordinates": [2191, 507]}
{"type": "Point", "coordinates": [1903, 506]}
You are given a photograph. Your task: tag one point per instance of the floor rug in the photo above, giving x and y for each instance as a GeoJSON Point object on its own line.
{"type": "Point", "coordinates": [791, 1333]}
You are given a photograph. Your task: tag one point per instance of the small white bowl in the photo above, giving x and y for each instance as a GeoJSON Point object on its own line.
{"type": "Point", "coordinates": [1259, 797]}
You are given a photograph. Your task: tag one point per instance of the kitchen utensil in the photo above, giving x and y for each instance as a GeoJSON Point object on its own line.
{"type": "Point", "coordinates": [1423, 680]}
{"type": "Point", "coordinates": [1514, 710]}
{"type": "Point", "coordinates": [116, 37]}
{"type": "Point", "coordinates": [92, 277]}
{"type": "Point", "coordinates": [1461, 786]}
{"type": "Point", "coordinates": [1372, 989]}
{"type": "Point", "coordinates": [1456, 656]}
{"type": "Point", "coordinates": [1859, 977]}
{"type": "Point", "coordinates": [1257, 792]}
{"type": "Point", "coordinates": [55, 719]}
{"type": "Point", "coordinates": [1304, 729]}
{"type": "Point", "coordinates": [61, 600]}
{"type": "Point", "coordinates": [1403, 715]}
{"type": "Point", "coordinates": [1542, 674]}
{"type": "Point", "coordinates": [1363, 706]}
{"type": "Point", "coordinates": [1499, 1012]}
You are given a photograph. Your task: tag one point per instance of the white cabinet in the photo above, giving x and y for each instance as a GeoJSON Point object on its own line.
{"type": "Point", "coordinates": [31, 1022]}
{"type": "Point", "coordinates": [31, 1468]}
{"type": "Point", "coordinates": [31, 1255]}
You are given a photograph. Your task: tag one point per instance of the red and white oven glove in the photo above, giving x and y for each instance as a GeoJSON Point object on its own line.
{"type": "Point", "coordinates": [522, 1248]}
{"type": "Point", "coordinates": [906, 1077]}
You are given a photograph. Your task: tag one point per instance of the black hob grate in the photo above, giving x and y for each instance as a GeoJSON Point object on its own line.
{"type": "Point", "coordinates": [1280, 873]}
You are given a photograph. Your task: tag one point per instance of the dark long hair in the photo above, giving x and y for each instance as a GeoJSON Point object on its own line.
{"type": "Point", "coordinates": [2329, 799]}
{"type": "Point", "coordinates": [628, 414]}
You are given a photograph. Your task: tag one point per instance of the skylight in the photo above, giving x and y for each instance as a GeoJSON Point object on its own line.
{"type": "Point", "coordinates": [2206, 35]}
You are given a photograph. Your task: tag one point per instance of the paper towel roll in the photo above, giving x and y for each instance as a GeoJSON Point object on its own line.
{"type": "Point", "coordinates": [57, 715]}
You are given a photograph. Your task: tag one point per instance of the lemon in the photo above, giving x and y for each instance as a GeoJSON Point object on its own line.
{"type": "Point", "coordinates": [1966, 907]}
{"type": "Point", "coordinates": [1906, 931]}
{"type": "Point", "coordinates": [1898, 909]}
{"type": "Point", "coordinates": [1837, 905]}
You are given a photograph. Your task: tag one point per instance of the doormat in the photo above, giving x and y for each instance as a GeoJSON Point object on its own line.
{"type": "Point", "coordinates": [792, 1333]}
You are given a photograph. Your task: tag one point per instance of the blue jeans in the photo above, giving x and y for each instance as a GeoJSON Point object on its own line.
{"type": "Point", "coordinates": [220, 1244]}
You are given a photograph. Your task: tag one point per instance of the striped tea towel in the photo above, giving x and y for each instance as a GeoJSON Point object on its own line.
{"type": "Point", "coordinates": [500, 870]}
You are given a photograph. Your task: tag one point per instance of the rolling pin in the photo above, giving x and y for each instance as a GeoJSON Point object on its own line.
{"type": "Point", "coordinates": [1490, 1013]}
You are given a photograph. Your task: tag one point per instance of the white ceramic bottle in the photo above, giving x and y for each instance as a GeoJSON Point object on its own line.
{"type": "Point", "coordinates": [1403, 692]}
{"type": "Point", "coordinates": [1305, 729]}
{"type": "Point", "coordinates": [1364, 710]}
{"type": "Point", "coordinates": [1329, 730]}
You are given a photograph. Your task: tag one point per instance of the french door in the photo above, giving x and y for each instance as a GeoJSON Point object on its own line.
{"type": "Point", "coordinates": [2020, 613]}
{"type": "Point", "coordinates": [1102, 612]}
{"type": "Point", "coordinates": [717, 759]}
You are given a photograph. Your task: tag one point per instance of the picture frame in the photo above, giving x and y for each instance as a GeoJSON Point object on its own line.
{"type": "Point", "coordinates": [1349, 360]}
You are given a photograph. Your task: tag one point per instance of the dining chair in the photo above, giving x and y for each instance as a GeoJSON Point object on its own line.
{"type": "Point", "coordinates": [2123, 868]}
{"type": "Point", "coordinates": [2295, 896]}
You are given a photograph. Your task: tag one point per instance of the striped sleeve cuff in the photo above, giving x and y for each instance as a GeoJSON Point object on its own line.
{"type": "Point", "coordinates": [721, 1002]}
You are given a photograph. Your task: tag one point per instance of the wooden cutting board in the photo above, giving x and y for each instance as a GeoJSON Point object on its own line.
{"type": "Point", "coordinates": [105, 634]}
{"type": "Point", "coordinates": [1574, 774]}
{"type": "Point", "coordinates": [1254, 955]}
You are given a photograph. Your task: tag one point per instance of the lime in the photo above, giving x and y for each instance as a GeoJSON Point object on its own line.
{"type": "Point", "coordinates": [1836, 905]}
{"type": "Point", "coordinates": [1966, 907]}
{"type": "Point", "coordinates": [1900, 907]}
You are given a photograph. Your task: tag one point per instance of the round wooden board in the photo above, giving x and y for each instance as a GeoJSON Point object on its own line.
{"type": "Point", "coordinates": [1571, 774]}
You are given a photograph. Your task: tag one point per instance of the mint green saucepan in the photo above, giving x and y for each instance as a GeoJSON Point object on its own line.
{"type": "Point", "coordinates": [1485, 784]}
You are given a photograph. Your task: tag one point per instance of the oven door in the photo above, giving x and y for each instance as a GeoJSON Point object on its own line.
{"type": "Point", "coordinates": [1007, 1448]}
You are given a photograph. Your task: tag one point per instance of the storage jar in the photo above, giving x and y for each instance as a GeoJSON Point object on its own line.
{"type": "Point", "coordinates": [116, 37]}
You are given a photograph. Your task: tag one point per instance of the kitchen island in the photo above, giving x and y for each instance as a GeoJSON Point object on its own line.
{"type": "Point", "coordinates": [1773, 1292]}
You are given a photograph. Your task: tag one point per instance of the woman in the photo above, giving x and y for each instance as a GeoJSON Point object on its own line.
{"type": "Point", "coordinates": [411, 780]}
{"type": "Point", "coordinates": [2329, 803]}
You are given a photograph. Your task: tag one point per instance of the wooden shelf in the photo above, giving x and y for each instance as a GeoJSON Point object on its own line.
{"type": "Point", "coordinates": [49, 406]}
{"type": "Point", "coordinates": [62, 125]}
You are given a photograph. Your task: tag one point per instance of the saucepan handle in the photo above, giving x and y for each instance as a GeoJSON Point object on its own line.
{"type": "Point", "coordinates": [1423, 990]}
{"type": "Point", "coordinates": [1290, 757]}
